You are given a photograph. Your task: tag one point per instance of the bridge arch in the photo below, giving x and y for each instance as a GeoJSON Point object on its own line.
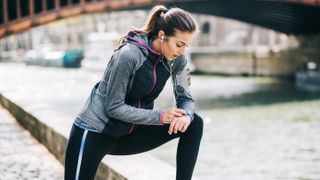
{"type": "Point", "coordinates": [288, 16]}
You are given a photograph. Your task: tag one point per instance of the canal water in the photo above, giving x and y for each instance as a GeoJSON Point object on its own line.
{"type": "Point", "coordinates": [255, 128]}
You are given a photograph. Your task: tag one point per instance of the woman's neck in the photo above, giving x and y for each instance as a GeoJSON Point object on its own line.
{"type": "Point", "coordinates": [156, 45]}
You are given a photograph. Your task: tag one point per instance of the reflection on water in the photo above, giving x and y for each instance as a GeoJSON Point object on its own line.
{"type": "Point", "coordinates": [255, 128]}
{"type": "Point", "coordinates": [264, 94]}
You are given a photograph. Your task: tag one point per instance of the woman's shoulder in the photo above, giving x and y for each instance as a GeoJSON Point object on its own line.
{"type": "Point", "coordinates": [128, 54]}
{"type": "Point", "coordinates": [129, 50]}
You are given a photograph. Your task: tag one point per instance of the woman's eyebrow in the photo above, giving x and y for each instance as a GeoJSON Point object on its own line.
{"type": "Point", "coordinates": [182, 42]}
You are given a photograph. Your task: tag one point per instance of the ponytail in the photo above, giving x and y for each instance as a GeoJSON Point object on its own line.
{"type": "Point", "coordinates": [167, 20]}
{"type": "Point", "coordinates": [151, 26]}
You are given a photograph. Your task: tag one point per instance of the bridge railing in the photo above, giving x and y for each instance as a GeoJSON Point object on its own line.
{"type": "Point", "coordinates": [19, 15]}
{"type": "Point", "coordinates": [287, 16]}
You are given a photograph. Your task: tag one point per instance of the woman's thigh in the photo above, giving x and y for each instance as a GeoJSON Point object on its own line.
{"type": "Point", "coordinates": [148, 137]}
{"type": "Point", "coordinates": [84, 152]}
{"type": "Point", "coordinates": [144, 138]}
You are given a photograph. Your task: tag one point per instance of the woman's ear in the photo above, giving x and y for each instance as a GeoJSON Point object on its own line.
{"type": "Point", "coordinates": [161, 35]}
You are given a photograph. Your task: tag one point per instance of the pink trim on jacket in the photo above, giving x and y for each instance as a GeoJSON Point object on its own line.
{"type": "Point", "coordinates": [161, 118]}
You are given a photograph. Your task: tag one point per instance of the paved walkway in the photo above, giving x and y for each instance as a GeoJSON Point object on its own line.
{"type": "Point", "coordinates": [21, 156]}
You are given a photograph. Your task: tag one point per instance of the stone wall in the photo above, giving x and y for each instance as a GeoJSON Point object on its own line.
{"type": "Point", "coordinates": [283, 63]}
{"type": "Point", "coordinates": [52, 129]}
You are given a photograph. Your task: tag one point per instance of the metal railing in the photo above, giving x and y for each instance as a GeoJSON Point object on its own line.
{"type": "Point", "coordinates": [288, 16]}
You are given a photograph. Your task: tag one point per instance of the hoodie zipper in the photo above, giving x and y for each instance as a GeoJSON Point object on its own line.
{"type": "Point", "coordinates": [153, 86]}
{"type": "Point", "coordinates": [154, 76]}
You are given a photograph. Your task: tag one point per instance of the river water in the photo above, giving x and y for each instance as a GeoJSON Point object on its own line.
{"type": "Point", "coordinates": [255, 128]}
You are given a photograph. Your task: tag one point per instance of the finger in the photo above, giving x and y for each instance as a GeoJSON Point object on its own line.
{"type": "Point", "coordinates": [177, 125]}
{"type": "Point", "coordinates": [182, 124]}
{"type": "Point", "coordinates": [176, 113]}
{"type": "Point", "coordinates": [182, 111]}
{"type": "Point", "coordinates": [185, 127]}
{"type": "Point", "coordinates": [172, 124]}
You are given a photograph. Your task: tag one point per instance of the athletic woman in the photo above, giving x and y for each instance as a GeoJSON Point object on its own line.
{"type": "Point", "coordinates": [118, 117]}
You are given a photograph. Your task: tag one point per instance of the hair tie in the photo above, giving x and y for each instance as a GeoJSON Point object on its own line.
{"type": "Point", "coordinates": [163, 13]}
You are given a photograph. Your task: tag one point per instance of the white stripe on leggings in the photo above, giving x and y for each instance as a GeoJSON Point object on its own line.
{"type": "Point", "coordinates": [81, 153]}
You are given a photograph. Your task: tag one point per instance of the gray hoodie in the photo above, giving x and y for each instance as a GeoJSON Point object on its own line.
{"type": "Point", "coordinates": [133, 79]}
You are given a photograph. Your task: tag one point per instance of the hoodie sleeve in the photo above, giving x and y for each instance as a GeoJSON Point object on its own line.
{"type": "Point", "coordinates": [181, 82]}
{"type": "Point", "coordinates": [121, 70]}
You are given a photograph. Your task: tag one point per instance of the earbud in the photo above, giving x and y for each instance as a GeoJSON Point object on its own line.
{"type": "Point", "coordinates": [162, 38]}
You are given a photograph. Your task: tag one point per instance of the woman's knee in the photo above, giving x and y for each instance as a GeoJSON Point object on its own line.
{"type": "Point", "coordinates": [197, 124]}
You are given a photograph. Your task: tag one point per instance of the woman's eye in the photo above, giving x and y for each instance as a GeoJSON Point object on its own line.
{"type": "Point", "coordinates": [179, 46]}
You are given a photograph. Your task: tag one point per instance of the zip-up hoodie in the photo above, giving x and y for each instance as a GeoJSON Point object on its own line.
{"type": "Point", "coordinates": [133, 79]}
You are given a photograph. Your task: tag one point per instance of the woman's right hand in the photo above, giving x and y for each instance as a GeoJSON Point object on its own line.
{"type": "Point", "coordinates": [170, 114]}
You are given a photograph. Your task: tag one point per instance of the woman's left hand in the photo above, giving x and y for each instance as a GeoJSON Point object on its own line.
{"type": "Point", "coordinates": [179, 124]}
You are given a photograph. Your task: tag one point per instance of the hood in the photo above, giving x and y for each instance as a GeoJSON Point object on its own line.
{"type": "Point", "coordinates": [140, 39]}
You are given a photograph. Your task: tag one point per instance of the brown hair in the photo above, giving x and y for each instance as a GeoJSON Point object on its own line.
{"type": "Point", "coordinates": [169, 21]}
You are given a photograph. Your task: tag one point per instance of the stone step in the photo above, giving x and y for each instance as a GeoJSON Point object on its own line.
{"type": "Point", "coordinates": [52, 128]}
{"type": "Point", "coordinates": [22, 156]}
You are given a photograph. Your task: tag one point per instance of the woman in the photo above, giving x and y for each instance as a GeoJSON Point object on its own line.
{"type": "Point", "coordinates": [118, 117]}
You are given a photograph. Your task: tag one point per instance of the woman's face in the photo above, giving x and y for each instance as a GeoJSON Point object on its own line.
{"type": "Point", "coordinates": [175, 46]}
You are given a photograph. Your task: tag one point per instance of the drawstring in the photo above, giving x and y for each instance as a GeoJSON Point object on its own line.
{"type": "Point", "coordinates": [165, 66]}
{"type": "Point", "coordinates": [161, 60]}
{"type": "Point", "coordinates": [169, 70]}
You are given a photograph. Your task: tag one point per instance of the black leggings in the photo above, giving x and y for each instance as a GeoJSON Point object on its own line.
{"type": "Point", "coordinates": [83, 157]}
